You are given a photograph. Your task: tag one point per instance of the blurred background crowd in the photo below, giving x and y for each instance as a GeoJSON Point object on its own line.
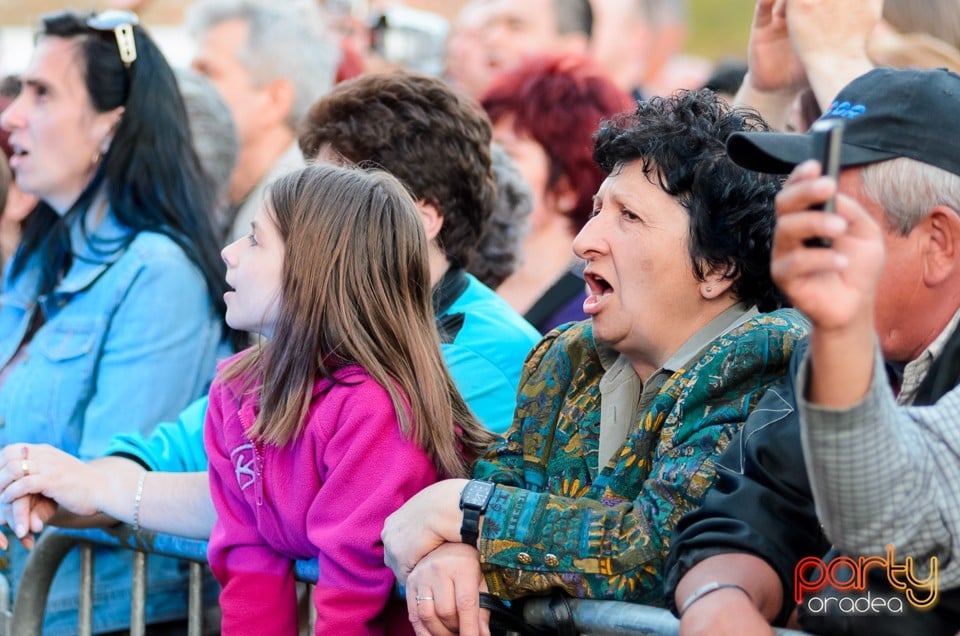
{"type": "Point", "coordinates": [715, 30]}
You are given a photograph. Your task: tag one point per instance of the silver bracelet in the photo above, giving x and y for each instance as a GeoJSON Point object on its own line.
{"type": "Point", "coordinates": [136, 502]}
{"type": "Point", "coordinates": [709, 588]}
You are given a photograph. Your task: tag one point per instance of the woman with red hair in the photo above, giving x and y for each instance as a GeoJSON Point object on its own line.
{"type": "Point", "coordinates": [544, 114]}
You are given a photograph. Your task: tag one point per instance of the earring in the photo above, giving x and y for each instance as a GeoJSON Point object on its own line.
{"type": "Point", "coordinates": [709, 289]}
{"type": "Point", "coordinates": [102, 150]}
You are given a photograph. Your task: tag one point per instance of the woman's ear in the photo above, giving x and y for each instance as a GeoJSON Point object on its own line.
{"type": "Point", "coordinates": [106, 129]}
{"type": "Point", "coordinates": [564, 195]}
{"type": "Point", "coordinates": [276, 101]}
{"type": "Point", "coordinates": [716, 282]}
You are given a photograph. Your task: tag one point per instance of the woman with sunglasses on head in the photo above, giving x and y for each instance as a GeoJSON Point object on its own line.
{"type": "Point", "coordinates": [111, 314]}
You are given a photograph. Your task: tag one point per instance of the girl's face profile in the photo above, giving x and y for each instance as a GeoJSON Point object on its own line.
{"type": "Point", "coordinates": [255, 274]}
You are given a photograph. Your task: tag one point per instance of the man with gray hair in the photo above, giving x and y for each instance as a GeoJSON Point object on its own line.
{"type": "Point", "coordinates": [513, 30]}
{"type": "Point", "coordinates": [639, 42]}
{"type": "Point", "coordinates": [854, 459]}
{"type": "Point", "coordinates": [270, 62]}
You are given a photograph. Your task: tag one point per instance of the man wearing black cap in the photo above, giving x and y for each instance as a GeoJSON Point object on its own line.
{"type": "Point", "coordinates": [882, 473]}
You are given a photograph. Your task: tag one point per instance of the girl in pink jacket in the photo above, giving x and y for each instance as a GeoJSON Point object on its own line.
{"type": "Point", "coordinates": [345, 411]}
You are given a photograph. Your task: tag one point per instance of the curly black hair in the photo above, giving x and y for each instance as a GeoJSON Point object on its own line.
{"type": "Point", "coordinates": [681, 141]}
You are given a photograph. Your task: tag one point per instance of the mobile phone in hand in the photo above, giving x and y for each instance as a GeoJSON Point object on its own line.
{"type": "Point", "coordinates": [827, 134]}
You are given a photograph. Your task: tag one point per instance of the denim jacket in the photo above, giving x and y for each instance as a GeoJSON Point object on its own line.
{"type": "Point", "coordinates": [129, 338]}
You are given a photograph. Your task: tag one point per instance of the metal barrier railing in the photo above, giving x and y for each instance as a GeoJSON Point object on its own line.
{"type": "Point", "coordinates": [5, 613]}
{"type": "Point", "coordinates": [615, 618]}
{"type": "Point", "coordinates": [54, 545]}
{"type": "Point", "coordinates": [592, 618]}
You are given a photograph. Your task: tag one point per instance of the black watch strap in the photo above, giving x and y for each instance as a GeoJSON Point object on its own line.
{"type": "Point", "coordinates": [470, 527]}
{"type": "Point", "coordinates": [473, 501]}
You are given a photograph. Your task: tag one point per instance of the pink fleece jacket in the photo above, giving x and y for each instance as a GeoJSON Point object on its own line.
{"type": "Point", "coordinates": [325, 495]}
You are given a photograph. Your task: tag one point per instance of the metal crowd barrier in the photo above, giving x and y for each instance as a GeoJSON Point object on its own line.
{"type": "Point", "coordinates": [592, 618]}
{"type": "Point", "coordinates": [615, 618]}
{"type": "Point", "coordinates": [55, 543]}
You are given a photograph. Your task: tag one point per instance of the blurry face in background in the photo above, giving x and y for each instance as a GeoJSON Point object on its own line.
{"type": "Point", "coordinates": [620, 37]}
{"type": "Point", "coordinates": [533, 163]}
{"type": "Point", "coordinates": [18, 205]}
{"type": "Point", "coordinates": [55, 132]}
{"type": "Point", "coordinates": [466, 55]}
{"type": "Point", "coordinates": [517, 29]}
{"type": "Point", "coordinates": [217, 59]}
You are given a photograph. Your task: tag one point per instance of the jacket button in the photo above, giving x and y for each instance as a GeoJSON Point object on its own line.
{"type": "Point", "coordinates": [551, 560]}
{"type": "Point", "coordinates": [524, 558]}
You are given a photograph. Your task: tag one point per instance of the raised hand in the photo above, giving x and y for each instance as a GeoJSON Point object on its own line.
{"type": "Point", "coordinates": [835, 287]}
{"type": "Point", "coordinates": [773, 64]}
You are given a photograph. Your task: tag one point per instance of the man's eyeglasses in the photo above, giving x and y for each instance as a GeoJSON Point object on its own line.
{"type": "Point", "coordinates": [121, 23]}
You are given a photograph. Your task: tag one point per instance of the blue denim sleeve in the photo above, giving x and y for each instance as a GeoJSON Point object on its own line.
{"type": "Point", "coordinates": [175, 447]}
{"type": "Point", "coordinates": [159, 351]}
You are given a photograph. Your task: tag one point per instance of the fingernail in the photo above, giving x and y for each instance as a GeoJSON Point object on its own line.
{"type": "Point", "coordinates": [20, 530]}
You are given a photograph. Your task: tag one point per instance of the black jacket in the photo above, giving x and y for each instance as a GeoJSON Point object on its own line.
{"type": "Point", "coordinates": [762, 505]}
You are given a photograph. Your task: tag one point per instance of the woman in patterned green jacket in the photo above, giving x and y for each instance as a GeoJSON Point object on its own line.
{"type": "Point", "coordinates": [619, 419]}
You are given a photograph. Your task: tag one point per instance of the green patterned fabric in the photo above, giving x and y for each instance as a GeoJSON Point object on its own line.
{"type": "Point", "coordinates": [558, 521]}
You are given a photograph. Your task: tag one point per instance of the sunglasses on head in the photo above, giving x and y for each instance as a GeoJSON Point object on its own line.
{"type": "Point", "coordinates": [121, 23]}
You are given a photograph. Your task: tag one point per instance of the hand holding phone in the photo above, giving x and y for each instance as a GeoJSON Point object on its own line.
{"type": "Point", "coordinates": [827, 134]}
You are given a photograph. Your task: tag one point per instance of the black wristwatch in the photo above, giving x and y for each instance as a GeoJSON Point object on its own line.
{"type": "Point", "coordinates": [473, 501]}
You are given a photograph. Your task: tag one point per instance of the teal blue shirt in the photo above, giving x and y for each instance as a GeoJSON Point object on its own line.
{"type": "Point", "coordinates": [172, 447]}
{"type": "Point", "coordinates": [485, 354]}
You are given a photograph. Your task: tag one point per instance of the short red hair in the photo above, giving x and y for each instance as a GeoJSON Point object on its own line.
{"type": "Point", "coordinates": [559, 101]}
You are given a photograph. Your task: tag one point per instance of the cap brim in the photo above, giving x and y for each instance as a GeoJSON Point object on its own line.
{"type": "Point", "coordinates": [779, 153]}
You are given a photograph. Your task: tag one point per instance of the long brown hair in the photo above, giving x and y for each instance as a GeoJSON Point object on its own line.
{"type": "Point", "coordinates": [356, 290]}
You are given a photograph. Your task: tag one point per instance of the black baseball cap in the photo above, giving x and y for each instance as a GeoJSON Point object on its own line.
{"type": "Point", "coordinates": [888, 113]}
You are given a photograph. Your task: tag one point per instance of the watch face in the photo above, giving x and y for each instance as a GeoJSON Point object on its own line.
{"type": "Point", "coordinates": [476, 494]}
